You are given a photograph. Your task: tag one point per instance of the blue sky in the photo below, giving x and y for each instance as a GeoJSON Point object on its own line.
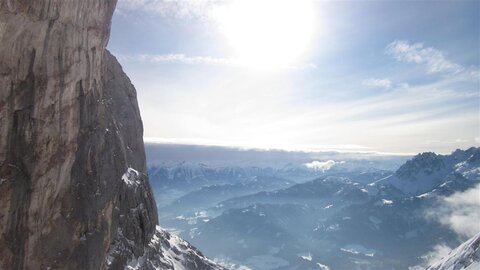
{"type": "Point", "coordinates": [389, 76]}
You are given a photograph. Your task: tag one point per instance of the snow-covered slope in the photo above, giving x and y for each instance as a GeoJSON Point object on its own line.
{"type": "Point", "coordinates": [465, 257]}
{"type": "Point", "coordinates": [168, 251]}
{"type": "Point", "coordinates": [335, 220]}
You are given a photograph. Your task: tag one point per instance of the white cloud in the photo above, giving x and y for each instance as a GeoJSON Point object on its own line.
{"type": "Point", "coordinates": [180, 58]}
{"type": "Point", "coordinates": [286, 42]}
{"type": "Point", "coordinates": [200, 60]}
{"type": "Point", "coordinates": [460, 212]}
{"type": "Point", "coordinates": [433, 59]}
{"type": "Point", "coordinates": [381, 83]}
{"type": "Point", "coordinates": [456, 141]}
{"type": "Point", "coordinates": [199, 9]}
{"type": "Point", "coordinates": [320, 166]}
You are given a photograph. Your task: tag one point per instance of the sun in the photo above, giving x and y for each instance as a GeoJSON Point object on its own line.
{"type": "Point", "coordinates": [267, 33]}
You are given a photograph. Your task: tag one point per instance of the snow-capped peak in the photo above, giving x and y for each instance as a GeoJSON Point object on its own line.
{"type": "Point", "coordinates": [426, 171]}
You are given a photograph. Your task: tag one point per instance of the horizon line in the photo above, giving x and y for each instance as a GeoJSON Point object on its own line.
{"type": "Point", "coordinates": [344, 149]}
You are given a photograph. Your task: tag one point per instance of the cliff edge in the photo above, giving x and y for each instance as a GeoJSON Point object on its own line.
{"type": "Point", "coordinates": [74, 193]}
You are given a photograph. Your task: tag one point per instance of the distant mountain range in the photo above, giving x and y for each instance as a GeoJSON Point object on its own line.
{"type": "Point", "coordinates": [187, 168]}
{"type": "Point", "coordinates": [428, 170]}
{"type": "Point", "coordinates": [357, 217]}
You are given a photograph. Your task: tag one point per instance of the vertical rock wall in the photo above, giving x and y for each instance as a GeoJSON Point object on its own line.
{"type": "Point", "coordinates": [70, 130]}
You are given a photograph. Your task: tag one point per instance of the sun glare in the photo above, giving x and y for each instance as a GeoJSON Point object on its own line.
{"type": "Point", "coordinates": [267, 33]}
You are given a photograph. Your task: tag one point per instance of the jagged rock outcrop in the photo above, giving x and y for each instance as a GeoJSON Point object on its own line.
{"type": "Point", "coordinates": [74, 193]}
{"type": "Point", "coordinates": [428, 171]}
{"type": "Point", "coordinates": [168, 251]}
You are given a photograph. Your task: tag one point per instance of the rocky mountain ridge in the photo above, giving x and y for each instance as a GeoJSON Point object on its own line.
{"type": "Point", "coordinates": [343, 221]}
{"type": "Point", "coordinates": [428, 170]}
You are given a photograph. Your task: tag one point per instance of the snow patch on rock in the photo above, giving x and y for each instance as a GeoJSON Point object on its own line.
{"type": "Point", "coordinates": [131, 177]}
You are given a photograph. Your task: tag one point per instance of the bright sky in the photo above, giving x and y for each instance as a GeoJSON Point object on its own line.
{"type": "Point", "coordinates": [397, 77]}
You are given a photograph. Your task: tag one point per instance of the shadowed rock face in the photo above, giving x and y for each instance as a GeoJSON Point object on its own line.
{"type": "Point", "coordinates": [74, 193]}
{"type": "Point", "coordinates": [70, 131]}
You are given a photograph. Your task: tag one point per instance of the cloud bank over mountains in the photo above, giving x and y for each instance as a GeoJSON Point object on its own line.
{"type": "Point", "coordinates": [460, 212]}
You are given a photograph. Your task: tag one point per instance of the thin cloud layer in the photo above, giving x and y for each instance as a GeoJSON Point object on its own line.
{"type": "Point", "coordinates": [381, 83]}
{"type": "Point", "coordinates": [194, 82]}
{"type": "Point", "coordinates": [181, 58]}
{"type": "Point", "coordinates": [433, 59]}
{"type": "Point", "coordinates": [181, 9]}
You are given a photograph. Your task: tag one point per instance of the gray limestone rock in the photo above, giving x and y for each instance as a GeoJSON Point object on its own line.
{"type": "Point", "coordinates": [74, 193]}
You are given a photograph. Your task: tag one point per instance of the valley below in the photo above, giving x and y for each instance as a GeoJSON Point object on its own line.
{"type": "Point", "coordinates": [362, 212]}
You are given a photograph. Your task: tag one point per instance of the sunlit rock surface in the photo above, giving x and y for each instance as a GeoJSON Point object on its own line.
{"type": "Point", "coordinates": [74, 193]}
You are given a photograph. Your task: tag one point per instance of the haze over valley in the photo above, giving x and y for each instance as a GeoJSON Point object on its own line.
{"type": "Point", "coordinates": [258, 209]}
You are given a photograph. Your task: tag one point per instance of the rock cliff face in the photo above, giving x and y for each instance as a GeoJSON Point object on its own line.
{"type": "Point", "coordinates": [74, 193]}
